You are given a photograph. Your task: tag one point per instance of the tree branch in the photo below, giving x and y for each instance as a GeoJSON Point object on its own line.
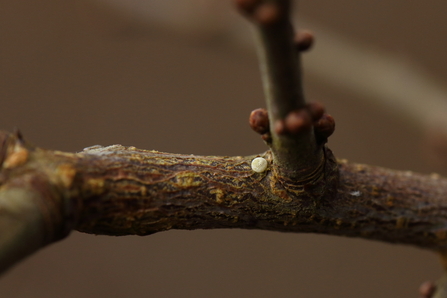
{"type": "Point", "coordinates": [298, 186]}
{"type": "Point", "coordinates": [292, 140]}
{"type": "Point", "coordinates": [120, 190]}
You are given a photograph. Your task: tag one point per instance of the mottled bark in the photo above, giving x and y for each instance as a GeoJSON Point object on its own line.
{"type": "Point", "coordinates": [118, 190]}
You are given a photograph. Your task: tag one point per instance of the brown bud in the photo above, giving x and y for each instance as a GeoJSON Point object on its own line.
{"type": "Point", "coordinates": [259, 121]}
{"type": "Point", "coordinates": [324, 127]}
{"type": "Point", "coordinates": [304, 40]}
{"type": "Point", "coordinates": [316, 110]}
{"type": "Point", "coordinates": [298, 121]}
{"type": "Point", "coordinates": [280, 127]}
{"type": "Point", "coordinates": [267, 13]}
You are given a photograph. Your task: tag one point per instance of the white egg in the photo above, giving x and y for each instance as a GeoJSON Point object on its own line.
{"type": "Point", "coordinates": [259, 164]}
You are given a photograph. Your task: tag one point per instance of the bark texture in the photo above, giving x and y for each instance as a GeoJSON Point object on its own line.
{"type": "Point", "coordinates": [119, 190]}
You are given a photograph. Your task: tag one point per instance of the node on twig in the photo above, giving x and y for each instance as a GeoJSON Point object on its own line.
{"type": "Point", "coordinates": [297, 121]}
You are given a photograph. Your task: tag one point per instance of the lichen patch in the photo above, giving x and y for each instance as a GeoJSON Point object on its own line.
{"type": "Point", "coordinates": [188, 179]}
{"type": "Point", "coordinates": [219, 194]}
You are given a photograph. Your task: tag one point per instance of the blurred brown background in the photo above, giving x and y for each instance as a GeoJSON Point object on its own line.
{"type": "Point", "coordinates": [154, 75]}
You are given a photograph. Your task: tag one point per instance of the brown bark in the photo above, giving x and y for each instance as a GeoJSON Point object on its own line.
{"type": "Point", "coordinates": [280, 66]}
{"type": "Point", "coordinates": [144, 192]}
{"type": "Point", "coordinates": [118, 190]}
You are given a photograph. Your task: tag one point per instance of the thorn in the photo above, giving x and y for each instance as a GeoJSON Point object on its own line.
{"type": "Point", "coordinates": [304, 40]}
{"type": "Point", "coordinates": [259, 121]}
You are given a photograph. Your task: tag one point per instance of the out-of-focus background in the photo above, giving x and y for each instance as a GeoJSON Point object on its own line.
{"type": "Point", "coordinates": [182, 77]}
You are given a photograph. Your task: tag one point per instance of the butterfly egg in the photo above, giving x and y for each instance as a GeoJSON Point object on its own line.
{"type": "Point", "coordinates": [259, 164]}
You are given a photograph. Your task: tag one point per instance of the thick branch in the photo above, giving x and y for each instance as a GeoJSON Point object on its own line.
{"type": "Point", "coordinates": [128, 191]}
{"type": "Point", "coordinates": [120, 190]}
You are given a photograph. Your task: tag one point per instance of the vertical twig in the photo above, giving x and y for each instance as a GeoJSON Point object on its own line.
{"type": "Point", "coordinates": [292, 139]}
